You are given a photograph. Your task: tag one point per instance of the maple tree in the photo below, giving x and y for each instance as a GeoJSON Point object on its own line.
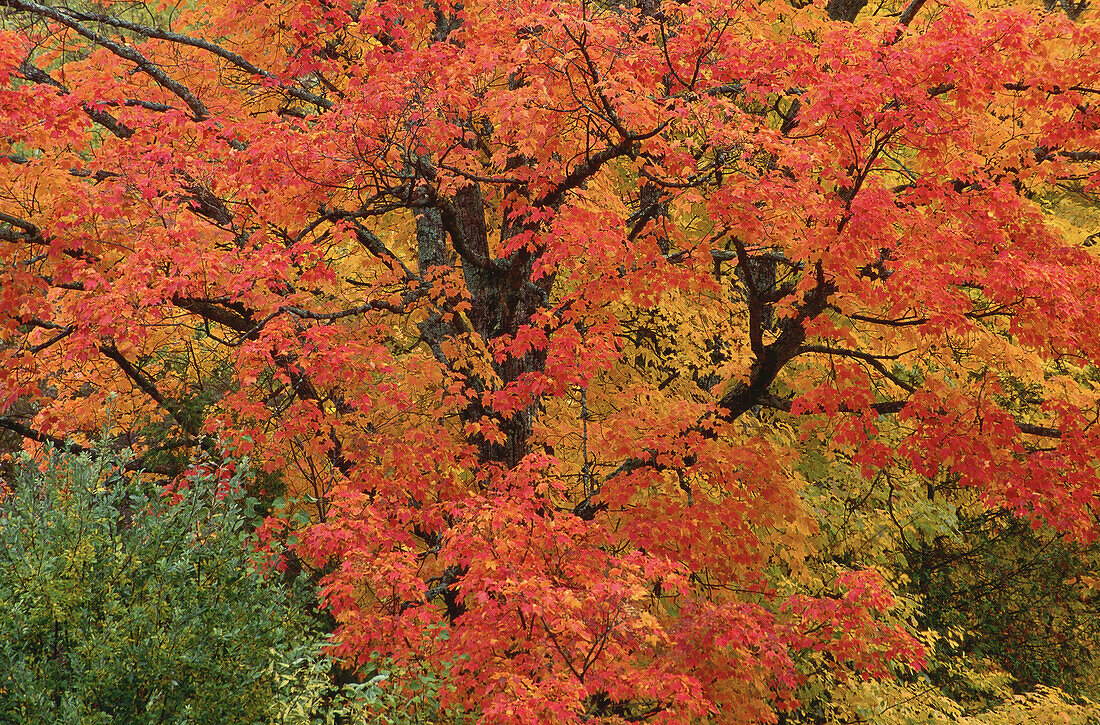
{"type": "Point", "coordinates": [533, 306]}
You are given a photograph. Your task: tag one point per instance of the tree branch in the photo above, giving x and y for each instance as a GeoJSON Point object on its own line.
{"type": "Point", "coordinates": [69, 15]}
{"type": "Point", "coordinates": [146, 386]}
{"type": "Point", "coordinates": [891, 407]}
{"type": "Point", "coordinates": [69, 19]}
{"type": "Point", "coordinates": [872, 360]}
{"type": "Point", "coordinates": [583, 172]}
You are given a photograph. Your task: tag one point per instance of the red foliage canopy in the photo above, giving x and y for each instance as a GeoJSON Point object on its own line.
{"type": "Point", "coordinates": [530, 303]}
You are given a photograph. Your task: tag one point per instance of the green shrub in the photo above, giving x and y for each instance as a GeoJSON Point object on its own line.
{"type": "Point", "coordinates": [121, 604]}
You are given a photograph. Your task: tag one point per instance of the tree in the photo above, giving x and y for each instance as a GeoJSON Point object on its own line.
{"type": "Point", "coordinates": [529, 305]}
{"type": "Point", "coordinates": [1007, 613]}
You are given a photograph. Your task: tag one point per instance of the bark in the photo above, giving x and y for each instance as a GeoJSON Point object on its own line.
{"type": "Point", "coordinates": [845, 10]}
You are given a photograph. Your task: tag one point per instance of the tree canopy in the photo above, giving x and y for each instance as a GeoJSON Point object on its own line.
{"type": "Point", "coordinates": [629, 361]}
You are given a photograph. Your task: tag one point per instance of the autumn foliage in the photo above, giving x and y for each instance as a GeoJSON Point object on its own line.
{"type": "Point", "coordinates": [557, 318]}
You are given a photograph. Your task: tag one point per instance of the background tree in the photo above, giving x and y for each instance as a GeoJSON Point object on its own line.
{"type": "Point", "coordinates": [530, 304]}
